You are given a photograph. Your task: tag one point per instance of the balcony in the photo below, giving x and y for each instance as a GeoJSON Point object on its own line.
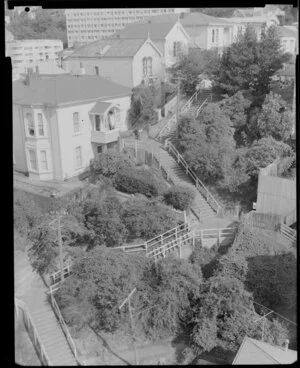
{"type": "Point", "coordinates": [105, 137]}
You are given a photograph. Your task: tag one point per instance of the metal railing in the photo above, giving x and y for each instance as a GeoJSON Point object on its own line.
{"type": "Point", "coordinates": [198, 183]}
{"type": "Point", "coordinates": [288, 233]}
{"type": "Point", "coordinates": [214, 233]}
{"type": "Point", "coordinates": [64, 328]}
{"type": "Point", "coordinates": [32, 332]}
{"type": "Point", "coordinates": [157, 241]}
{"type": "Point", "coordinates": [173, 120]}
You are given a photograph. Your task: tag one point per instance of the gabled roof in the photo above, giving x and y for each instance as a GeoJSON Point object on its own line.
{"type": "Point", "coordinates": [100, 107]}
{"type": "Point", "coordinates": [110, 48]}
{"type": "Point", "coordinates": [199, 19]}
{"type": "Point", "coordinates": [258, 352]}
{"type": "Point", "coordinates": [65, 89]}
{"type": "Point", "coordinates": [155, 31]}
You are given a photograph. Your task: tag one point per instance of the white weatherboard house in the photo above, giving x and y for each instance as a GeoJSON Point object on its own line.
{"type": "Point", "coordinates": [167, 34]}
{"type": "Point", "coordinates": [61, 122]}
{"type": "Point", "coordinates": [124, 61]}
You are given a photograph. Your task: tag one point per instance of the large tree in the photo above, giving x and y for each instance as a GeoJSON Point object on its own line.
{"type": "Point", "coordinates": [274, 119]}
{"type": "Point", "coordinates": [207, 143]}
{"type": "Point", "coordinates": [225, 313]}
{"type": "Point", "coordinates": [236, 108]}
{"type": "Point", "coordinates": [102, 278]}
{"type": "Point", "coordinates": [263, 152]}
{"type": "Point", "coordinates": [47, 23]}
{"type": "Point", "coordinates": [190, 66]}
{"type": "Point", "coordinates": [168, 288]}
{"type": "Point", "coordinates": [249, 63]}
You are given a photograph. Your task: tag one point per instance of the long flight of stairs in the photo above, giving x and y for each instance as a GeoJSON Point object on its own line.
{"type": "Point", "coordinates": [201, 98]}
{"type": "Point", "coordinates": [47, 325]}
{"type": "Point", "coordinates": [179, 177]}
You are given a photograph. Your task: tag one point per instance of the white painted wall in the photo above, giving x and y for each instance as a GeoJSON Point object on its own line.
{"type": "Point", "coordinates": [147, 50]}
{"type": "Point", "coordinates": [288, 44]}
{"type": "Point", "coordinates": [175, 35]}
{"type": "Point", "coordinates": [118, 70]}
{"type": "Point", "coordinates": [19, 140]}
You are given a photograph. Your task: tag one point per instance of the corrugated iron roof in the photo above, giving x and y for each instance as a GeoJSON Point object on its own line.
{"type": "Point", "coordinates": [264, 352]}
{"type": "Point", "coordinates": [109, 48]}
{"type": "Point", "coordinates": [66, 88]}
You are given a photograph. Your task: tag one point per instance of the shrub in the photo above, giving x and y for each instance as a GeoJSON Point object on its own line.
{"type": "Point", "coordinates": [109, 163]}
{"type": "Point", "coordinates": [136, 181]}
{"type": "Point", "coordinates": [180, 197]}
{"type": "Point", "coordinates": [146, 219]}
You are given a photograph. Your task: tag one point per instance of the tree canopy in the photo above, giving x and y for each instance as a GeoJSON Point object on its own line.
{"type": "Point", "coordinates": [249, 63]}
{"type": "Point", "coordinates": [190, 66]}
{"type": "Point", "coordinates": [47, 24]}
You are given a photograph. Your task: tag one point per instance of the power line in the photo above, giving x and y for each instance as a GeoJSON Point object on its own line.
{"type": "Point", "coordinates": [276, 313]}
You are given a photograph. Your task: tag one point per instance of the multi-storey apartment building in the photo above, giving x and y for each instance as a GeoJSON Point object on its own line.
{"type": "Point", "coordinates": [25, 53]}
{"type": "Point", "coordinates": [86, 25]}
{"type": "Point", "coordinates": [60, 123]}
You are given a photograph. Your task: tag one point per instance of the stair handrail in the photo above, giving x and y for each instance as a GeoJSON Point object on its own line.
{"type": "Point", "coordinates": [200, 107]}
{"type": "Point", "coordinates": [64, 328]}
{"type": "Point", "coordinates": [36, 337]}
{"type": "Point", "coordinates": [173, 118]}
{"type": "Point", "coordinates": [208, 196]}
{"type": "Point", "coordinates": [189, 102]}
{"type": "Point", "coordinates": [288, 233]}
{"type": "Point", "coordinates": [166, 127]}
{"type": "Point", "coordinates": [157, 238]}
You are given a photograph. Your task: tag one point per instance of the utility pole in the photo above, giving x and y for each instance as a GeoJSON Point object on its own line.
{"type": "Point", "coordinates": [60, 247]}
{"type": "Point", "coordinates": [131, 321]}
{"type": "Point", "coordinates": [178, 79]}
{"type": "Point", "coordinates": [60, 243]}
{"type": "Point", "coordinates": [263, 326]}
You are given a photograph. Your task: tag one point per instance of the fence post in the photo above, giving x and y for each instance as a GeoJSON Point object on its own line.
{"type": "Point", "coordinates": [135, 148]}
{"type": "Point", "coordinates": [193, 240]}
{"type": "Point", "coordinates": [176, 233]}
{"type": "Point", "coordinates": [201, 238]}
{"type": "Point", "coordinates": [219, 236]}
{"type": "Point", "coordinates": [180, 249]}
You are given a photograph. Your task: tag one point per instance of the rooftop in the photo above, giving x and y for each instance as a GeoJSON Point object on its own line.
{"type": "Point", "coordinates": [63, 89]}
{"type": "Point", "coordinates": [156, 31]}
{"type": "Point", "coordinates": [287, 32]}
{"type": "Point", "coordinates": [186, 19]}
{"type": "Point", "coordinates": [110, 48]}
{"type": "Point", "coordinates": [258, 352]}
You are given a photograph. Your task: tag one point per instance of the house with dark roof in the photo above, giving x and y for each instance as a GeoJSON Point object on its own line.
{"type": "Point", "coordinates": [259, 352]}
{"type": "Point", "coordinates": [168, 35]}
{"type": "Point", "coordinates": [61, 122]}
{"type": "Point", "coordinates": [128, 62]}
{"type": "Point", "coordinates": [205, 31]}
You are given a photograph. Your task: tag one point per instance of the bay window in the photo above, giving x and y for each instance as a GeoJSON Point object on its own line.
{"type": "Point", "coordinates": [44, 162]}
{"type": "Point", "coordinates": [41, 125]}
{"type": "Point", "coordinates": [32, 160]}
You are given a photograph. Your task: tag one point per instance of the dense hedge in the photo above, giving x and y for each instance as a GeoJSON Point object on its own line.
{"type": "Point", "coordinates": [135, 180]}
{"type": "Point", "coordinates": [179, 197]}
{"type": "Point", "coordinates": [109, 163]}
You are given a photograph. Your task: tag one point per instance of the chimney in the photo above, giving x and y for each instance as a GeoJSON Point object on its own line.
{"type": "Point", "coordinates": [286, 345]}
